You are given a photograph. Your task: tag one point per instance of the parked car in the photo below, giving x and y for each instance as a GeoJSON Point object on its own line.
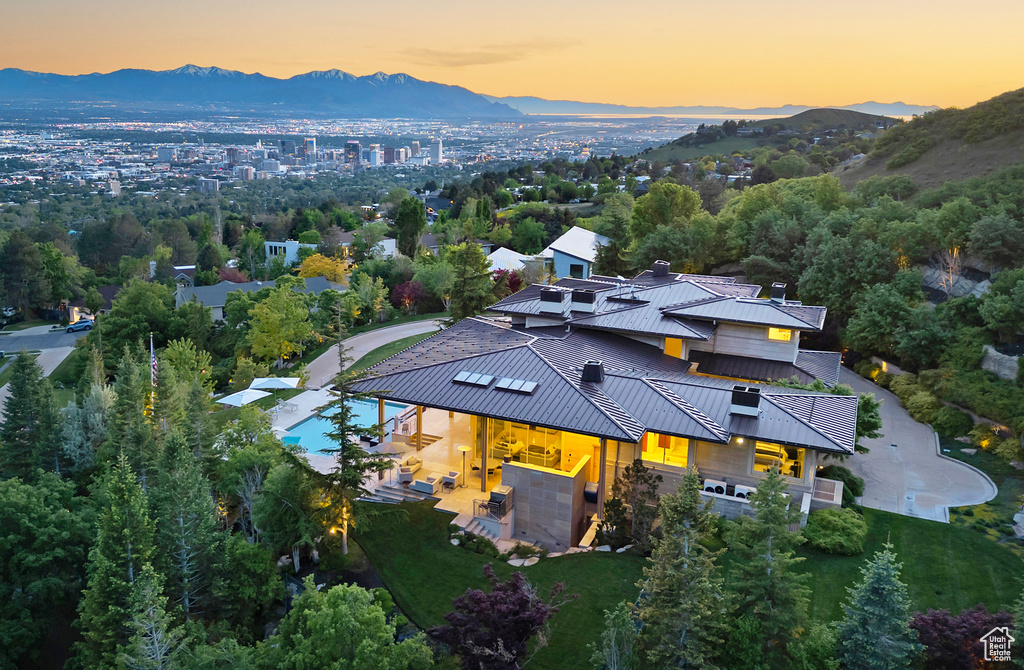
{"type": "Point", "coordinates": [81, 324]}
{"type": "Point", "coordinates": [8, 312]}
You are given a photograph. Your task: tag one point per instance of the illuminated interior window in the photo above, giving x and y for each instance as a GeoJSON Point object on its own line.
{"type": "Point", "coordinates": [665, 449]}
{"type": "Point", "coordinates": [780, 334]}
{"type": "Point", "coordinates": [674, 347]}
{"type": "Point", "coordinates": [789, 459]}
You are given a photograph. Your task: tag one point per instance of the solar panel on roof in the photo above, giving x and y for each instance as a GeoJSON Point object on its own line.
{"type": "Point", "coordinates": [473, 378]}
{"type": "Point", "coordinates": [516, 385]}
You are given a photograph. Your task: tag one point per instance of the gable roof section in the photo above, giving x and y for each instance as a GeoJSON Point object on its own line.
{"type": "Point", "coordinates": [823, 365]}
{"type": "Point", "coordinates": [217, 294]}
{"type": "Point", "coordinates": [744, 367]}
{"type": "Point", "coordinates": [577, 242]}
{"type": "Point", "coordinates": [753, 310]}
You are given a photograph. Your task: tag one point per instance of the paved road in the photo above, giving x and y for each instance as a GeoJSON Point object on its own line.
{"type": "Point", "coordinates": [911, 477]}
{"type": "Point", "coordinates": [36, 338]}
{"type": "Point", "coordinates": [325, 367]}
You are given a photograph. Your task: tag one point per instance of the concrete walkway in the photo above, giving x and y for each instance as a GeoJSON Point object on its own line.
{"type": "Point", "coordinates": [325, 367]}
{"type": "Point", "coordinates": [904, 472]}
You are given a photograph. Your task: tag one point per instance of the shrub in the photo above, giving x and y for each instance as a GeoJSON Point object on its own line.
{"type": "Point", "coordinates": [951, 422]}
{"type": "Point", "coordinates": [836, 531]}
{"type": "Point", "coordinates": [479, 545]}
{"type": "Point", "coordinates": [865, 368]}
{"type": "Point", "coordinates": [904, 386]}
{"type": "Point", "coordinates": [885, 379]}
{"type": "Point", "coordinates": [1009, 449]}
{"type": "Point", "coordinates": [853, 485]}
{"type": "Point", "coordinates": [923, 406]}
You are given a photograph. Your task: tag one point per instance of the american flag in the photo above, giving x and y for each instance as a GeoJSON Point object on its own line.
{"type": "Point", "coordinates": [152, 361]}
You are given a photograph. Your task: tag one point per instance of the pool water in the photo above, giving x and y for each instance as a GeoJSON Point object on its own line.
{"type": "Point", "coordinates": [309, 434]}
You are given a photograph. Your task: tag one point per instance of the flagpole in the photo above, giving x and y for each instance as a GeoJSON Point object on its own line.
{"type": "Point", "coordinates": [152, 372]}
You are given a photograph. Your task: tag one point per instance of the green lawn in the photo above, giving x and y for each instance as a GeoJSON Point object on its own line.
{"type": "Point", "coordinates": [69, 371]}
{"type": "Point", "coordinates": [387, 351]}
{"type": "Point", "coordinates": [944, 566]}
{"type": "Point", "coordinates": [394, 322]}
{"type": "Point", "coordinates": [32, 323]}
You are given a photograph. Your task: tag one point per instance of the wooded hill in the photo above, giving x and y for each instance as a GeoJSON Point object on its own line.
{"type": "Point", "coordinates": [949, 144]}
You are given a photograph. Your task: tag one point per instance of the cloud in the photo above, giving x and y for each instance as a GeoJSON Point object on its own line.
{"type": "Point", "coordinates": [489, 55]}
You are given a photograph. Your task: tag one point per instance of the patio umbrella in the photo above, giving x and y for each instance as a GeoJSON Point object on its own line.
{"type": "Point", "coordinates": [243, 397]}
{"type": "Point", "coordinates": [275, 383]}
{"type": "Point", "coordinates": [392, 448]}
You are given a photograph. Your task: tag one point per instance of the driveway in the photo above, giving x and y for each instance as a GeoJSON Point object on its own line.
{"type": "Point", "coordinates": [48, 360]}
{"type": "Point", "coordinates": [904, 473]}
{"type": "Point", "coordinates": [325, 367]}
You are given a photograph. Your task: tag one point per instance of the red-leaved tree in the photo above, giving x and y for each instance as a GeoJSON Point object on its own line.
{"type": "Point", "coordinates": [954, 642]}
{"type": "Point", "coordinates": [491, 631]}
{"type": "Point", "coordinates": [233, 275]}
{"type": "Point", "coordinates": [408, 295]}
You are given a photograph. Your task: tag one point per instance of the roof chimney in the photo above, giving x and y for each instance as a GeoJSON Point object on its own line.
{"type": "Point", "coordinates": [551, 300]}
{"type": "Point", "coordinates": [583, 300]}
{"type": "Point", "coordinates": [745, 401]}
{"type": "Point", "coordinates": [778, 292]}
{"type": "Point", "coordinates": [660, 268]}
{"type": "Point", "coordinates": [593, 371]}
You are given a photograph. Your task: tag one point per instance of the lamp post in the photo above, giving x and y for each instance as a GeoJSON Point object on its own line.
{"type": "Point", "coordinates": [464, 448]}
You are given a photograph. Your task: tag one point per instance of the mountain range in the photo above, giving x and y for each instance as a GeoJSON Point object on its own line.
{"type": "Point", "coordinates": [324, 93]}
{"type": "Point", "coordinates": [533, 105]}
{"type": "Point", "coordinates": [213, 89]}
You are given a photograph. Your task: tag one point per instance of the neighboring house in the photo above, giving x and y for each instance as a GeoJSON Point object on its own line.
{"type": "Point", "coordinates": [289, 249]}
{"type": "Point", "coordinates": [77, 310]}
{"type": "Point", "coordinates": [184, 274]}
{"type": "Point", "coordinates": [216, 296]}
{"type": "Point", "coordinates": [431, 243]}
{"type": "Point", "coordinates": [578, 379]}
{"type": "Point", "coordinates": [506, 259]}
{"type": "Point", "coordinates": [573, 254]}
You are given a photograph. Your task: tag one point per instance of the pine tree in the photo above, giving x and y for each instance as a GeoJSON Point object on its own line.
{"type": "Point", "coordinates": [684, 613]}
{"type": "Point", "coordinates": [190, 546]}
{"type": "Point", "coordinates": [353, 464]}
{"type": "Point", "coordinates": [131, 430]}
{"type": "Point", "coordinates": [473, 287]}
{"type": "Point", "coordinates": [48, 453]}
{"type": "Point", "coordinates": [764, 576]}
{"type": "Point", "coordinates": [875, 633]}
{"type": "Point", "coordinates": [1018, 622]}
{"type": "Point", "coordinates": [19, 433]}
{"type": "Point", "coordinates": [124, 545]}
{"type": "Point", "coordinates": [155, 643]}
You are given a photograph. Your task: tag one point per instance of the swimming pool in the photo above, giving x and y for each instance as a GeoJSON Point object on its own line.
{"type": "Point", "coordinates": [309, 434]}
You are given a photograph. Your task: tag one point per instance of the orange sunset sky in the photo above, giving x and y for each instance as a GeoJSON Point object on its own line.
{"type": "Point", "coordinates": [659, 52]}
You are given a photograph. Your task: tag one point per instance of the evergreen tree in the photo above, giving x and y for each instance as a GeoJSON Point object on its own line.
{"type": "Point", "coordinates": [124, 546]}
{"type": "Point", "coordinates": [131, 429]}
{"type": "Point", "coordinates": [352, 463]}
{"type": "Point", "coordinates": [20, 432]}
{"type": "Point", "coordinates": [1018, 622]}
{"type": "Point", "coordinates": [875, 633]}
{"type": "Point", "coordinates": [48, 453]}
{"type": "Point", "coordinates": [617, 649]}
{"type": "Point", "coordinates": [684, 613]}
{"type": "Point", "coordinates": [155, 643]}
{"type": "Point", "coordinates": [632, 509]}
{"type": "Point", "coordinates": [472, 287]}
{"type": "Point", "coordinates": [191, 548]}
{"type": "Point", "coordinates": [764, 576]}
{"type": "Point", "coordinates": [410, 222]}
{"type": "Point", "coordinates": [84, 428]}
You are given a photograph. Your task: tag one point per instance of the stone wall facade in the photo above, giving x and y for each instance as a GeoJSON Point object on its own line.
{"type": "Point", "coordinates": [549, 507]}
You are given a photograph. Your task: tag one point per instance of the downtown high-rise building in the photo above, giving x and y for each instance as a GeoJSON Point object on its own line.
{"type": "Point", "coordinates": [415, 148]}
{"type": "Point", "coordinates": [436, 151]}
{"type": "Point", "coordinates": [353, 152]}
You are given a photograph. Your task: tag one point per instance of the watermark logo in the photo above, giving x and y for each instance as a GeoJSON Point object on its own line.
{"type": "Point", "coordinates": [997, 644]}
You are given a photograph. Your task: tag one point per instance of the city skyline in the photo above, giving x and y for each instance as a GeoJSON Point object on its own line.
{"type": "Point", "coordinates": [794, 52]}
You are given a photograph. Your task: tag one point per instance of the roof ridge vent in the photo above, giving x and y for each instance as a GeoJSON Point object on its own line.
{"type": "Point", "coordinates": [746, 401]}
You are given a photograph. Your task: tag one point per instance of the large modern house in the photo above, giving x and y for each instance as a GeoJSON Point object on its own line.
{"type": "Point", "coordinates": [549, 402]}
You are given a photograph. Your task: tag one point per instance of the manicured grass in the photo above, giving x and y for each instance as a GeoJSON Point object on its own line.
{"type": "Point", "coordinates": [387, 351]}
{"type": "Point", "coordinates": [70, 369]}
{"type": "Point", "coordinates": [394, 322]}
{"type": "Point", "coordinates": [424, 572]}
{"type": "Point", "coordinates": [944, 566]}
{"type": "Point", "coordinates": [22, 325]}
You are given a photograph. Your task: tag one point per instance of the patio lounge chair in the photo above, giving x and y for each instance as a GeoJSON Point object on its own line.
{"type": "Point", "coordinates": [409, 466]}
{"type": "Point", "coordinates": [453, 479]}
{"type": "Point", "coordinates": [431, 485]}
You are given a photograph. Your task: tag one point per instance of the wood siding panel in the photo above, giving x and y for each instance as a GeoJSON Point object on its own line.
{"type": "Point", "coordinates": [748, 341]}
